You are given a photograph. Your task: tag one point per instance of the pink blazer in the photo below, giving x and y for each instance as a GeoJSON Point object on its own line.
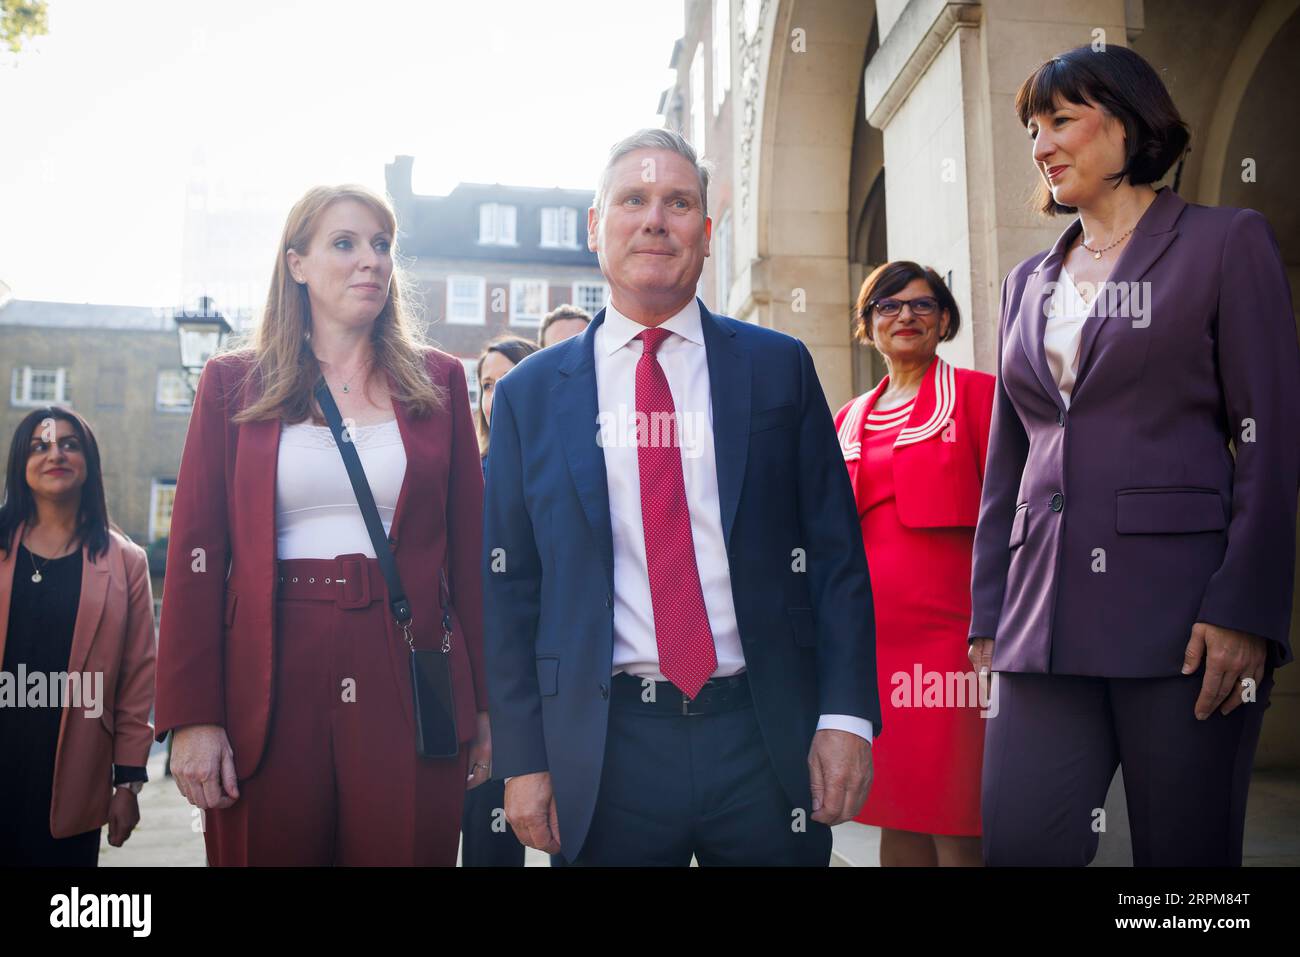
{"type": "Point", "coordinates": [113, 635]}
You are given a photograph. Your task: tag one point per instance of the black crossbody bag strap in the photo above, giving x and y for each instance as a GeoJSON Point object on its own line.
{"type": "Point", "coordinates": [397, 603]}
{"type": "Point", "coordinates": [431, 686]}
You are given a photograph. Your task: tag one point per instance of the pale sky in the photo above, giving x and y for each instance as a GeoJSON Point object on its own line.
{"type": "Point", "coordinates": [107, 122]}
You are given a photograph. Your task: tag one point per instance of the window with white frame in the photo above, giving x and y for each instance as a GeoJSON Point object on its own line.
{"type": "Point", "coordinates": [36, 387]}
{"type": "Point", "coordinates": [528, 300]}
{"type": "Point", "coordinates": [173, 393]}
{"type": "Point", "coordinates": [496, 224]}
{"type": "Point", "coordinates": [697, 99]}
{"type": "Point", "coordinates": [471, 380]}
{"type": "Point", "coordinates": [722, 262]}
{"type": "Point", "coordinates": [466, 297]}
{"type": "Point", "coordinates": [590, 296]}
{"type": "Point", "coordinates": [560, 227]}
{"type": "Point", "coordinates": [721, 52]}
{"type": "Point", "coordinates": [161, 496]}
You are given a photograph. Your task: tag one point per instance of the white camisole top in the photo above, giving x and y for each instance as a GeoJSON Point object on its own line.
{"type": "Point", "coordinates": [1063, 334]}
{"type": "Point", "coordinates": [316, 511]}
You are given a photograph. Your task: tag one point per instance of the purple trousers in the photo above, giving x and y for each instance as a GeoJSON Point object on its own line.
{"type": "Point", "coordinates": [1052, 748]}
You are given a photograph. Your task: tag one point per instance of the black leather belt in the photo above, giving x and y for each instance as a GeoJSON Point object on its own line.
{"type": "Point", "coordinates": [664, 697]}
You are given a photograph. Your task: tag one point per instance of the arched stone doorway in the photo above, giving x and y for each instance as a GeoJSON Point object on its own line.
{"type": "Point", "coordinates": [795, 157]}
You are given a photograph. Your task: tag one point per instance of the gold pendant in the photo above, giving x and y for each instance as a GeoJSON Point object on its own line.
{"type": "Point", "coordinates": [1097, 254]}
{"type": "Point", "coordinates": [36, 577]}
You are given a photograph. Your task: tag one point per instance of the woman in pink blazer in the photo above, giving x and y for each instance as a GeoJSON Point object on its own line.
{"type": "Point", "coordinates": [77, 641]}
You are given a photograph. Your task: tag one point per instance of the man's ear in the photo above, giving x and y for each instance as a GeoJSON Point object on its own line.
{"type": "Point", "coordinates": [593, 224]}
{"type": "Point", "coordinates": [708, 234]}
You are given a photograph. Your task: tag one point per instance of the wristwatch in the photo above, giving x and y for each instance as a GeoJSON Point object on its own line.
{"type": "Point", "coordinates": [133, 786]}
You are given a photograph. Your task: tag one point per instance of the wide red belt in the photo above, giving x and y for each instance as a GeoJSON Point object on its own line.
{"type": "Point", "coordinates": [351, 581]}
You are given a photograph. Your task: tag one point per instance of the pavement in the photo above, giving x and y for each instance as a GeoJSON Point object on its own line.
{"type": "Point", "coordinates": [169, 832]}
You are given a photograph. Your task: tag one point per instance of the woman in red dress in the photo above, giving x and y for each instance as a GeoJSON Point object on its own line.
{"type": "Point", "coordinates": [915, 447]}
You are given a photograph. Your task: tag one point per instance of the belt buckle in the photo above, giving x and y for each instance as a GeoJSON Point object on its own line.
{"type": "Point", "coordinates": [355, 581]}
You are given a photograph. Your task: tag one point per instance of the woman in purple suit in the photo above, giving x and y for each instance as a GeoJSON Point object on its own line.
{"type": "Point", "coordinates": [1134, 558]}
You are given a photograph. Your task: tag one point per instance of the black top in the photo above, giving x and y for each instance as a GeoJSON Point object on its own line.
{"type": "Point", "coordinates": [42, 617]}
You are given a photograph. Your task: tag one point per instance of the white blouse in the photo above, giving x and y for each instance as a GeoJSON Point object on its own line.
{"type": "Point", "coordinates": [316, 511]}
{"type": "Point", "coordinates": [1067, 312]}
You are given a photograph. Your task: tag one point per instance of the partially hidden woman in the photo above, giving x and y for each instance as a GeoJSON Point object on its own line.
{"type": "Point", "coordinates": [915, 447]}
{"type": "Point", "coordinates": [1135, 553]}
{"type": "Point", "coordinates": [486, 839]}
{"type": "Point", "coordinates": [280, 668]}
{"type": "Point", "coordinates": [75, 600]}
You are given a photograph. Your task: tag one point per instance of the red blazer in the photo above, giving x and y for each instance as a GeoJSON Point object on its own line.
{"type": "Point", "coordinates": [216, 646]}
{"type": "Point", "coordinates": [939, 455]}
{"type": "Point", "coordinates": [113, 636]}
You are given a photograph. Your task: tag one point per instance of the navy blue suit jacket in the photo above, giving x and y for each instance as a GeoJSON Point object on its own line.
{"type": "Point", "coordinates": [794, 546]}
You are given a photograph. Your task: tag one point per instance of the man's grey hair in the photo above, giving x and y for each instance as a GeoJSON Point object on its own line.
{"type": "Point", "coordinates": [654, 139]}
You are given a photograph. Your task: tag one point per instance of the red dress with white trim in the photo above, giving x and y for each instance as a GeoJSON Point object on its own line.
{"type": "Point", "coordinates": [916, 473]}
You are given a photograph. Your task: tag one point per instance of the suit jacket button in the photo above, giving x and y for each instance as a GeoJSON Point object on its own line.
{"type": "Point", "coordinates": [1060, 417]}
{"type": "Point", "coordinates": [609, 601]}
{"type": "Point", "coordinates": [604, 692]}
{"type": "Point", "coordinates": [1058, 502]}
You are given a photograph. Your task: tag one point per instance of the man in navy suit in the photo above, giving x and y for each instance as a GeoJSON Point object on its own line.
{"type": "Point", "coordinates": [679, 632]}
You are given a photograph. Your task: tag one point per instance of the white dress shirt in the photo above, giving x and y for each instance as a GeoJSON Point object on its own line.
{"type": "Point", "coordinates": [1063, 334]}
{"type": "Point", "coordinates": [682, 357]}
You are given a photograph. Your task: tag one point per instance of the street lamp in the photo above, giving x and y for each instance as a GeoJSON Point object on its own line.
{"type": "Point", "coordinates": [201, 335]}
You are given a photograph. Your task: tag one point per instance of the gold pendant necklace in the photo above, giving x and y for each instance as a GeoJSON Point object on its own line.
{"type": "Point", "coordinates": [1096, 253]}
{"type": "Point", "coordinates": [36, 572]}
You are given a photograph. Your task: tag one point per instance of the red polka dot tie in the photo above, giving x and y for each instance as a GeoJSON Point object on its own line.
{"type": "Point", "coordinates": [686, 654]}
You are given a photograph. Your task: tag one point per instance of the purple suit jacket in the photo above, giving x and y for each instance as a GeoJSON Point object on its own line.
{"type": "Point", "coordinates": [1108, 530]}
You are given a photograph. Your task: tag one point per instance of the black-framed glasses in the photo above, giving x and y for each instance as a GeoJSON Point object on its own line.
{"type": "Point", "coordinates": [920, 306]}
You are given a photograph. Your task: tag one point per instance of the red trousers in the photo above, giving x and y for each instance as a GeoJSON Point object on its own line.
{"type": "Point", "coordinates": [340, 780]}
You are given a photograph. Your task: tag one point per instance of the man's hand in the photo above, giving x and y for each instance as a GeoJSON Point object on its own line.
{"type": "Point", "coordinates": [980, 654]}
{"type": "Point", "coordinates": [123, 816]}
{"type": "Point", "coordinates": [203, 766]}
{"type": "Point", "coordinates": [480, 753]}
{"type": "Point", "coordinates": [530, 809]}
{"type": "Point", "coordinates": [1230, 658]}
{"type": "Point", "coordinates": [839, 766]}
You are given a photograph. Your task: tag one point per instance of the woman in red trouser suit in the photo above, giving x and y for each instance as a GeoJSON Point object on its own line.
{"type": "Point", "coordinates": [279, 666]}
{"type": "Point", "coordinates": [915, 448]}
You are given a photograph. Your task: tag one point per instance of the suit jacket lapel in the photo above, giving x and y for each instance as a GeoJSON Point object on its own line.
{"type": "Point", "coordinates": [935, 407]}
{"type": "Point", "coordinates": [1033, 311]}
{"type": "Point", "coordinates": [730, 378]}
{"type": "Point", "coordinates": [414, 449]}
{"type": "Point", "coordinates": [577, 419]}
{"type": "Point", "coordinates": [90, 608]}
{"type": "Point", "coordinates": [1151, 237]}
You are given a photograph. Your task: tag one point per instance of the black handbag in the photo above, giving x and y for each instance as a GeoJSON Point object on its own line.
{"type": "Point", "coordinates": [435, 711]}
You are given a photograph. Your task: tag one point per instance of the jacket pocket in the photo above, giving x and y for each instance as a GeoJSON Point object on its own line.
{"type": "Point", "coordinates": [548, 668]}
{"type": "Point", "coordinates": [803, 627]}
{"type": "Point", "coordinates": [778, 418]}
{"type": "Point", "coordinates": [1165, 511]}
{"type": "Point", "coordinates": [1019, 526]}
